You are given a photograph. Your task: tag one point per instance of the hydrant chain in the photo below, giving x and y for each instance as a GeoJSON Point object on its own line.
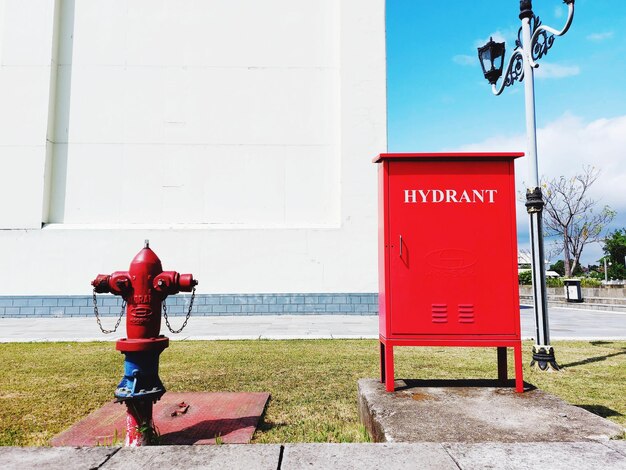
{"type": "Point", "coordinates": [95, 311]}
{"type": "Point", "coordinates": [167, 322]}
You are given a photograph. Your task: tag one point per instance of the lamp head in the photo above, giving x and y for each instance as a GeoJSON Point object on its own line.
{"type": "Point", "coordinates": [491, 57]}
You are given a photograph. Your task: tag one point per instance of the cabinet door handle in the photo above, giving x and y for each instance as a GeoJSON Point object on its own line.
{"type": "Point", "coordinates": [400, 246]}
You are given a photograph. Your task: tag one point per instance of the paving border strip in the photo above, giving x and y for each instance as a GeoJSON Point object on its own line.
{"type": "Point", "coordinates": [448, 456]}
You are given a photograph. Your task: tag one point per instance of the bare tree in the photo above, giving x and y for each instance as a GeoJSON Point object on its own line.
{"type": "Point", "coordinates": [573, 216]}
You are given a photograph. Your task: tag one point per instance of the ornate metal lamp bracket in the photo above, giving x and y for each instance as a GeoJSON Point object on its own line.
{"type": "Point", "coordinates": [514, 71]}
{"type": "Point", "coordinates": [542, 39]}
{"type": "Point", "coordinates": [542, 36]}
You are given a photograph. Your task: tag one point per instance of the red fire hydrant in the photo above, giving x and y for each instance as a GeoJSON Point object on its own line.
{"type": "Point", "coordinates": [143, 287]}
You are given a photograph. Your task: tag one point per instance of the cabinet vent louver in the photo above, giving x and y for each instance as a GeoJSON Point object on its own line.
{"type": "Point", "coordinates": [466, 313]}
{"type": "Point", "coordinates": [439, 313]}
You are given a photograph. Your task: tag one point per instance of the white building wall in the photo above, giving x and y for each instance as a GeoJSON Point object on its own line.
{"type": "Point", "coordinates": [26, 30]}
{"type": "Point", "coordinates": [236, 135]}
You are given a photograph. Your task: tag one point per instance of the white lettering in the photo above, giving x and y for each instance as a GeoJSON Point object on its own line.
{"type": "Point", "coordinates": [409, 196]}
{"type": "Point", "coordinates": [424, 195]}
{"type": "Point", "coordinates": [491, 193]}
{"type": "Point", "coordinates": [451, 195]}
{"type": "Point", "coordinates": [464, 197]}
{"type": "Point", "coordinates": [478, 194]}
{"type": "Point", "coordinates": [436, 196]}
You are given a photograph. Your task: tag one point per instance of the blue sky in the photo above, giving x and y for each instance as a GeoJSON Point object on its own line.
{"type": "Point", "coordinates": [439, 100]}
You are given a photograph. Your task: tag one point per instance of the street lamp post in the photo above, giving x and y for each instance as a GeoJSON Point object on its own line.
{"type": "Point", "coordinates": [533, 42]}
{"type": "Point", "coordinates": [606, 270]}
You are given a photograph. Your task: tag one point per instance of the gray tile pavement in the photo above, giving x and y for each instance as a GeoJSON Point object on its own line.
{"type": "Point", "coordinates": [564, 324]}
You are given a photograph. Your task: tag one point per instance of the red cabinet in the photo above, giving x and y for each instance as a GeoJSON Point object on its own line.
{"type": "Point", "coordinates": [448, 254]}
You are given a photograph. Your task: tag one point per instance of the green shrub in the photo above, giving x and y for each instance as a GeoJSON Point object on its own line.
{"type": "Point", "coordinates": [526, 277]}
{"type": "Point", "coordinates": [554, 282]}
{"type": "Point", "coordinates": [590, 282]}
{"type": "Point", "coordinates": [595, 275]}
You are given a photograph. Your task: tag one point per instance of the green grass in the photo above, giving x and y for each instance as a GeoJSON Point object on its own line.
{"type": "Point", "coordinates": [46, 387]}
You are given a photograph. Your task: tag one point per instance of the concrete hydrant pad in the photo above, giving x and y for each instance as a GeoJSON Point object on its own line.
{"type": "Point", "coordinates": [470, 412]}
{"type": "Point", "coordinates": [180, 418]}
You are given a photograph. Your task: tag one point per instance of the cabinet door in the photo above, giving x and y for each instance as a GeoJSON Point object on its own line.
{"type": "Point", "coordinates": [453, 263]}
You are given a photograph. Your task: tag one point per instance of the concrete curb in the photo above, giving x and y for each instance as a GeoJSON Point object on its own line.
{"type": "Point", "coordinates": [473, 412]}
{"type": "Point", "coordinates": [609, 455]}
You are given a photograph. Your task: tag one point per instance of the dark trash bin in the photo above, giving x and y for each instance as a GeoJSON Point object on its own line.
{"type": "Point", "coordinates": [573, 291]}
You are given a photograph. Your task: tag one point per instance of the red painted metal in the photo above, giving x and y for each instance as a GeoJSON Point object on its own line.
{"type": "Point", "coordinates": [139, 423]}
{"type": "Point", "coordinates": [230, 417]}
{"type": "Point", "coordinates": [447, 155]}
{"type": "Point", "coordinates": [448, 254]}
{"type": "Point", "coordinates": [144, 287]}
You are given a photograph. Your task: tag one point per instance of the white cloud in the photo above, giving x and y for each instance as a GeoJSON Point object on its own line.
{"type": "Point", "coordinates": [598, 37]}
{"type": "Point", "coordinates": [564, 147]}
{"type": "Point", "coordinates": [508, 36]}
{"type": "Point", "coordinates": [464, 59]}
{"type": "Point", "coordinates": [550, 70]}
{"type": "Point", "coordinates": [559, 11]}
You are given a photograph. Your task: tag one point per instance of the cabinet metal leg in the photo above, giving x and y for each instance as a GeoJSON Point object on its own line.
{"type": "Point", "coordinates": [519, 377]}
{"type": "Point", "coordinates": [382, 362]}
{"type": "Point", "coordinates": [502, 366]}
{"type": "Point", "coordinates": [389, 378]}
